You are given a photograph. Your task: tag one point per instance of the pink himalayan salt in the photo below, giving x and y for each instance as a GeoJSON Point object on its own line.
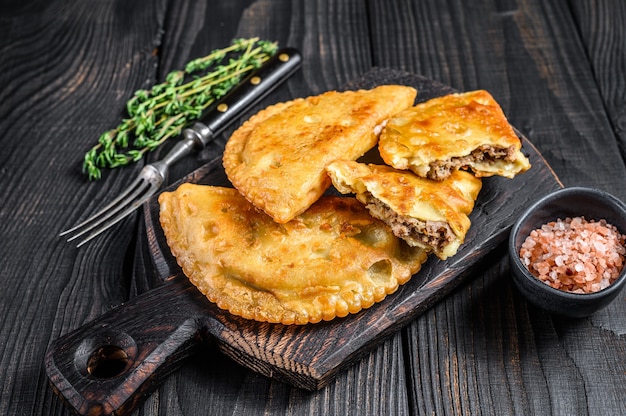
{"type": "Point", "coordinates": [575, 255]}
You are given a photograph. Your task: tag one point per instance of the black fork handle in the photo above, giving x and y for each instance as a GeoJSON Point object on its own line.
{"type": "Point", "coordinates": [224, 111]}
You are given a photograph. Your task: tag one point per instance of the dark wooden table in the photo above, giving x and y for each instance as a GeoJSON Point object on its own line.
{"type": "Point", "coordinates": [66, 70]}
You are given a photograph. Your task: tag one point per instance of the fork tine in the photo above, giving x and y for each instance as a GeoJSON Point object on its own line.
{"type": "Point", "coordinates": [96, 221]}
{"type": "Point", "coordinates": [140, 190]}
{"type": "Point", "coordinates": [120, 216]}
{"type": "Point", "coordinates": [97, 215]}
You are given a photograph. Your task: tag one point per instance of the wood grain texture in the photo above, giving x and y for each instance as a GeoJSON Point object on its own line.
{"type": "Point", "coordinates": [289, 23]}
{"type": "Point", "coordinates": [307, 357]}
{"type": "Point", "coordinates": [300, 25]}
{"type": "Point", "coordinates": [563, 114]}
{"type": "Point", "coordinates": [65, 72]}
{"type": "Point", "coordinates": [603, 34]}
{"type": "Point", "coordinates": [67, 68]}
{"type": "Point", "coordinates": [563, 101]}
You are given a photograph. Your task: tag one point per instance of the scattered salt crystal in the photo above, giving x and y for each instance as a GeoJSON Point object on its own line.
{"type": "Point", "coordinates": [599, 246]}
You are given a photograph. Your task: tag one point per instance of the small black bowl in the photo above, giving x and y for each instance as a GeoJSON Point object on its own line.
{"type": "Point", "coordinates": [593, 204]}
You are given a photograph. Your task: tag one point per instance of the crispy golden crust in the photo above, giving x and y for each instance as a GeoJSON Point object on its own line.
{"type": "Point", "coordinates": [333, 260]}
{"type": "Point", "coordinates": [399, 197]}
{"type": "Point", "coordinates": [451, 132]}
{"type": "Point", "coordinates": [276, 159]}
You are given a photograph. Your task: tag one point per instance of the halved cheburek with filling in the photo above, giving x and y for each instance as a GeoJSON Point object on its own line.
{"type": "Point", "coordinates": [276, 159]}
{"type": "Point", "coordinates": [429, 214]}
{"type": "Point", "coordinates": [332, 260]}
{"type": "Point", "coordinates": [457, 131]}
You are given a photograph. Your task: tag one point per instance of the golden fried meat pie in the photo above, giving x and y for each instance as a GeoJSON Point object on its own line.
{"type": "Point", "coordinates": [276, 159]}
{"type": "Point", "coordinates": [425, 213]}
{"type": "Point", "coordinates": [332, 260]}
{"type": "Point", "coordinates": [456, 131]}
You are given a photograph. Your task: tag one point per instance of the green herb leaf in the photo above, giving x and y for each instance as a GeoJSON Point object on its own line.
{"type": "Point", "coordinates": [162, 112]}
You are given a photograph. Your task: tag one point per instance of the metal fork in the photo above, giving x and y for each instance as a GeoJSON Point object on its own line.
{"type": "Point", "coordinates": [251, 90]}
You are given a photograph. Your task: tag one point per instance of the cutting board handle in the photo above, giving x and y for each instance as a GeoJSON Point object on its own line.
{"type": "Point", "coordinates": [106, 366]}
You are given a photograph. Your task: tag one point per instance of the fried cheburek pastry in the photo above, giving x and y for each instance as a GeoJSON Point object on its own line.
{"type": "Point", "coordinates": [425, 213]}
{"type": "Point", "coordinates": [330, 261]}
{"type": "Point", "coordinates": [457, 131]}
{"type": "Point", "coordinates": [276, 159]}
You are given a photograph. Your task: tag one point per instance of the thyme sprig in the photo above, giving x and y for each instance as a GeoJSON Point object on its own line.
{"type": "Point", "coordinates": [167, 108]}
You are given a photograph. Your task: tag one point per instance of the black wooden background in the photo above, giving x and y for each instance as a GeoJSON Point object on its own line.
{"type": "Point", "coordinates": [67, 67]}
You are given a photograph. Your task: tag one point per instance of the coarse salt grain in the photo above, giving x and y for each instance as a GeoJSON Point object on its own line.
{"type": "Point", "coordinates": [575, 255]}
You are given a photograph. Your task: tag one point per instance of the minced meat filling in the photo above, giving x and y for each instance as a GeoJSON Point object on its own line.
{"type": "Point", "coordinates": [441, 169]}
{"type": "Point", "coordinates": [435, 234]}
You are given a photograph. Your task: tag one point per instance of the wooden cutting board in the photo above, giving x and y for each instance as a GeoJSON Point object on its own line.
{"type": "Point", "coordinates": [109, 364]}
